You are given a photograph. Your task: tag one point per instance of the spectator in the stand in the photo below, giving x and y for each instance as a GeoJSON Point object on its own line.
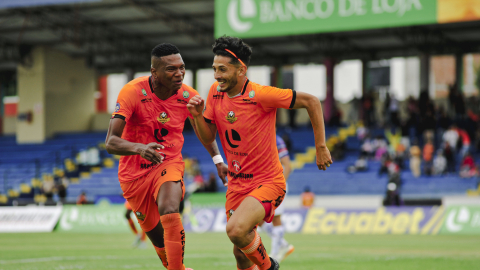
{"type": "Point", "coordinates": [368, 110]}
{"type": "Point", "coordinates": [415, 160]}
{"type": "Point", "coordinates": [405, 129]}
{"type": "Point", "coordinates": [465, 139]}
{"type": "Point", "coordinates": [380, 146]}
{"type": "Point", "coordinates": [428, 125]}
{"type": "Point", "coordinates": [467, 167]}
{"type": "Point", "coordinates": [451, 137]}
{"type": "Point", "coordinates": [428, 150]}
{"type": "Point", "coordinates": [449, 154]}
{"type": "Point", "coordinates": [198, 180]}
{"type": "Point", "coordinates": [392, 108]}
{"type": "Point", "coordinates": [336, 116]}
{"type": "Point", "coordinates": [82, 198]}
{"type": "Point", "coordinates": [393, 138]}
{"type": "Point", "coordinates": [443, 120]}
{"type": "Point", "coordinates": [62, 183]}
{"type": "Point", "coordinates": [367, 148]}
{"type": "Point", "coordinates": [439, 163]}
{"type": "Point", "coordinates": [308, 197]}
{"type": "Point", "coordinates": [82, 161]}
{"type": "Point", "coordinates": [48, 187]}
{"type": "Point", "coordinates": [211, 185]}
{"type": "Point", "coordinates": [360, 165]}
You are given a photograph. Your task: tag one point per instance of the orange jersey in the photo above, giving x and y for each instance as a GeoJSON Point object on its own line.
{"type": "Point", "coordinates": [246, 125]}
{"type": "Point", "coordinates": [150, 119]}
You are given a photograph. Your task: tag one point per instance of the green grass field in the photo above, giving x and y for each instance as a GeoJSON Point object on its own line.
{"type": "Point", "coordinates": [213, 251]}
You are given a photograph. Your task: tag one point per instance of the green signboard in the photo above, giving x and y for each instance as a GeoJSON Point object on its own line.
{"type": "Point", "coordinates": [461, 220]}
{"type": "Point", "coordinates": [92, 218]}
{"type": "Point", "coordinates": [263, 18]}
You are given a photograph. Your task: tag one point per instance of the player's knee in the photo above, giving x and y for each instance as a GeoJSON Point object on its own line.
{"type": "Point", "coordinates": [234, 232]}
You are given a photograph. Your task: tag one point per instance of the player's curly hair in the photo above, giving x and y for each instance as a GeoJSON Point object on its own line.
{"type": "Point", "coordinates": [241, 49]}
{"type": "Point", "coordinates": [164, 49]}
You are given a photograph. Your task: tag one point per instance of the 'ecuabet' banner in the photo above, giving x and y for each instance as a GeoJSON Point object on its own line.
{"type": "Point", "coordinates": [264, 18]}
{"type": "Point", "coordinates": [29, 219]}
{"type": "Point", "coordinates": [388, 220]}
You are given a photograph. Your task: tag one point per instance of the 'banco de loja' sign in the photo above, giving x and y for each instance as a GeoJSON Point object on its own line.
{"type": "Point", "coordinates": [263, 18]}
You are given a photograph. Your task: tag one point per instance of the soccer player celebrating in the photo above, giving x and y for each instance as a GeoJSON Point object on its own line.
{"type": "Point", "coordinates": [146, 130]}
{"type": "Point", "coordinates": [244, 113]}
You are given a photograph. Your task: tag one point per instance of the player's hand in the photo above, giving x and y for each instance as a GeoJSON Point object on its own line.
{"type": "Point", "coordinates": [324, 159]}
{"type": "Point", "coordinates": [222, 169]}
{"type": "Point", "coordinates": [195, 105]}
{"type": "Point", "coordinates": [149, 152]}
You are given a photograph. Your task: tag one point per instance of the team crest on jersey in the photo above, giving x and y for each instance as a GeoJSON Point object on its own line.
{"type": "Point", "coordinates": [218, 88]}
{"type": "Point", "coordinates": [236, 165]}
{"type": "Point", "coordinates": [144, 92]}
{"type": "Point", "coordinates": [231, 117]}
{"type": "Point", "coordinates": [140, 215]}
{"type": "Point", "coordinates": [251, 94]}
{"type": "Point", "coordinates": [186, 94]}
{"type": "Point", "coordinates": [117, 107]}
{"type": "Point", "coordinates": [163, 118]}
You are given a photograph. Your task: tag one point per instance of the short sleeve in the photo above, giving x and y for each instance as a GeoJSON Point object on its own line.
{"type": "Point", "coordinates": [125, 103]}
{"type": "Point", "coordinates": [208, 114]}
{"type": "Point", "coordinates": [272, 97]}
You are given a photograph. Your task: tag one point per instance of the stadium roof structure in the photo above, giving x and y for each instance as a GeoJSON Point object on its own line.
{"type": "Point", "coordinates": [113, 35]}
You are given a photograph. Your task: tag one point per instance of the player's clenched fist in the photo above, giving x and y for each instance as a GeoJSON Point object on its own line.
{"type": "Point", "coordinates": [149, 152]}
{"type": "Point", "coordinates": [195, 105]}
{"type": "Point", "coordinates": [324, 159]}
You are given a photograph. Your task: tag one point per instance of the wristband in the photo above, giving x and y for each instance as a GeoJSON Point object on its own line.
{"type": "Point", "coordinates": [217, 159]}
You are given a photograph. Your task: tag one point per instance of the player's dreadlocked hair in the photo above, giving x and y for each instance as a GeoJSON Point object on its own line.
{"type": "Point", "coordinates": [164, 49]}
{"type": "Point", "coordinates": [241, 49]}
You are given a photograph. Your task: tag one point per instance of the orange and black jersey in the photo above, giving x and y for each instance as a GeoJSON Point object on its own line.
{"type": "Point", "coordinates": [246, 126]}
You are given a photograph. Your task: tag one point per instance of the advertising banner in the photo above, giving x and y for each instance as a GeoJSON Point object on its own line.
{"type": "Point", "coordinates": [91, 218]}
{"type": "Point", "coordinates": [384, 220]}
{"type": "Point", "coordinates": [29, 219]}
{"type": "Point", "coordinates": [264, 18]}
{"type": "Point", "coordinates": [389, 220]}
{"type": "Point", "coordinates": [462, 220]}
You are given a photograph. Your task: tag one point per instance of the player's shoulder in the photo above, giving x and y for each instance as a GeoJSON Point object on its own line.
{"type": "Point", "coordinates": [137, 86]}
{"type": "Point", "coordinates": [188, 89]}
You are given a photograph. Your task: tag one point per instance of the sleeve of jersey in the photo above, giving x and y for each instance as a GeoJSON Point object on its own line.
{"type": "Point", "coordinates": [125, 103]}
{"type": "Point", "coordinates": [272, 97]}
{"type": "Point", "coordinates": [281, 147]}
{"type": "Point", "coordinates": [208, 113]}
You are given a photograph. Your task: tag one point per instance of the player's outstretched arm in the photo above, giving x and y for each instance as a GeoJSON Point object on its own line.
{"type": "Point", "coordinates": [205, 132]}
{"type": "Point", "coordinates": [212, 149]}
{"type": "Point", "coordinates": [118, 146]}
{"type": "Point", "coordinates": [314, 109]}
{"type": "Point", "coordinates": [287, 166]}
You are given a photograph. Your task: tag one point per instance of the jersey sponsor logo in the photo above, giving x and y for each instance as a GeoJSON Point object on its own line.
{"type": "Point", "coordinates": [236, 165]}
{"type": "Point", "coordinates": [244, 176]}
{"type": "Point", "coordinates": [117, 107]}
{"type": "Point", "coordinates": [237, 153]}
{"type": "Point", "coordinates": [146, 100]}
{"type": "Point", "coordinates": [186, 94]}
{"type": "Point", "coordinates": [249, 101]}
{"type": "Point", "coordinates": [235, 137]}
{"type": "Point", "coordinates": [163, 118]}
{"type": "Point", "coordinates": [251, 94]}
{"type": "Point", "coordinates": [231, 117]}
{"type": "Point", "coordinates": [140, 215]}
{"type": "Point", "coordinates": [146, 165]}
{"type": "Point", "coordinates": [182, 101]}
{"type": "Point", "coordinates": [217, 96]}
{"type": "Point", "coordinates": [144, 92]}
{"type": "Point", "coordinates": [163, 133]}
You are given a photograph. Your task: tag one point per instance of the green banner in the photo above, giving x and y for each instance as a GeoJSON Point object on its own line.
{"type": "Point", "coordinates": [91, 218]}
{"type": "Point", "coordinates": [263, 18]}
{"type": "Point", "coordinates": [462, 220]}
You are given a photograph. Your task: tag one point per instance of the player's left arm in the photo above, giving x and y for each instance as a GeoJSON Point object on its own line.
{"type": "Point", "coordinates": [212, 148]}
{"type": "Point", "coordinates": [315, 112]}
{"type": "Point", "coordinates": [287, 166]}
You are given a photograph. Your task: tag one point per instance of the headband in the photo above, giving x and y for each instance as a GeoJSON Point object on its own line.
{"type": "Point", "coordinates": [235, 57]}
